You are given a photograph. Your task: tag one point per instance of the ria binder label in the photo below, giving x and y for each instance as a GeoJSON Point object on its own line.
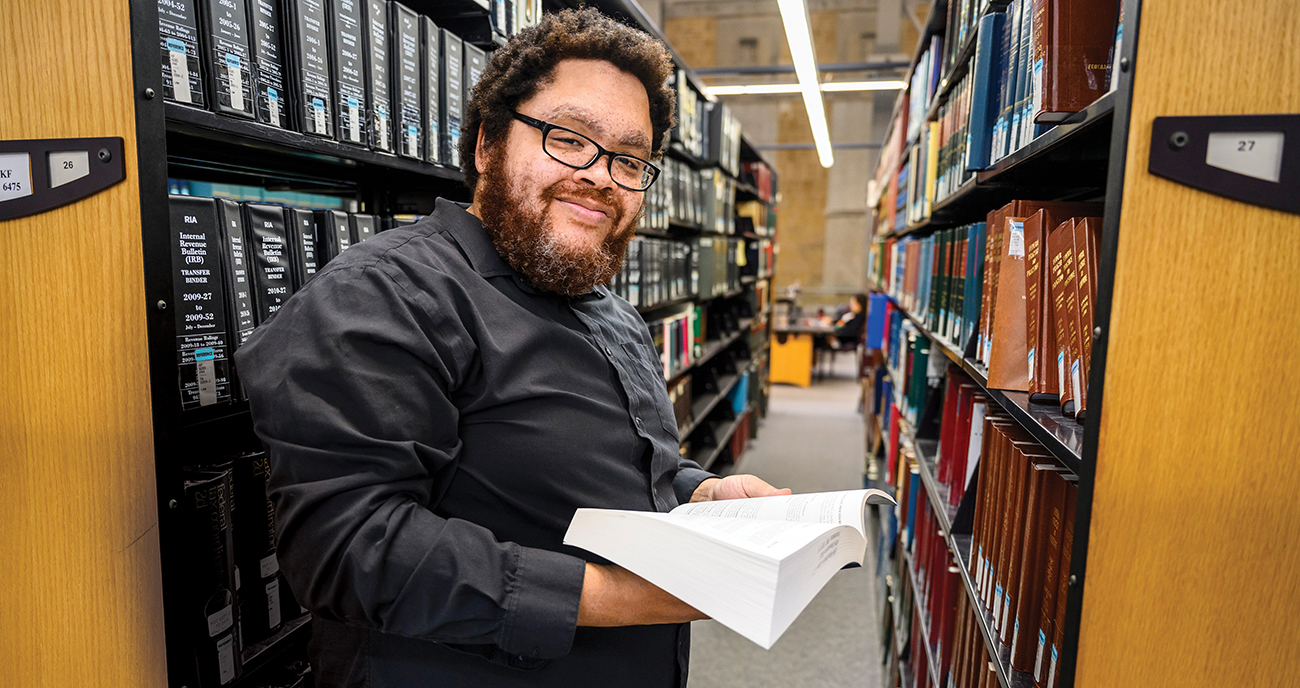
{"type": "Point", "coordinates": [198, 290]}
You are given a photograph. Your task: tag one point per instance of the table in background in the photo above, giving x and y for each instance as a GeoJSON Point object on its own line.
{"type": "Point", "coordinates": [792, 351]}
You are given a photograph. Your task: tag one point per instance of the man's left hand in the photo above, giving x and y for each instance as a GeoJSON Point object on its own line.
{"type": "Point", "coordinates": [735, 487]}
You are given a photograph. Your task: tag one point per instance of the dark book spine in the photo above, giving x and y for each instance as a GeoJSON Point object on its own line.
{"type": "Point", "coordinates": [404, 65]}
{"type": "Point", "coordinates": [475, 63]}
{"type": "Point", "coordinates": [212, 601]}
{"type": "Point", "coordinates": [333, 234]}
{"type": "Point", "coordinates": [301, 227]}
{"type": "Point", "coordinates": [348, 55]}
{"type": "Point", "coordinates": [254, 525]}
{"type": "Point", "coordinates": [362, 226]}
{"type": "Point", "coordinates": [182, 63]}
{"type": "Point", "coordinates": [269, 252]}
{"type": "Point", "coordinates": [270, 95]}
{"type": "Point", "coordinates": [378, 89]}
{"type": "Point", "coordinates": [451, 79]}
{"type": "Point", "coordinates": [242, 315]}
{"type": "Point", "coordinates": [430, 86]}
{"type": "Point", "coordinates": [229, 56]}
{"type": "Point", "coordinates": [311, 80]}
{"type": "Point", "coordinates": [198, 289]}
{"type": "Point", "coordinates": [1054, 512]}
{"type": "Point", "coordinates": [1053, 678]}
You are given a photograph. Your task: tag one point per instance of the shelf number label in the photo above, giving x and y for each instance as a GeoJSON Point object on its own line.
{"type": "Point", "coordinates": [68, 166]}
{"type": "Point", "coordinates": [15, 176]}
{"type": "Point", "coordinates": [1255, 154]}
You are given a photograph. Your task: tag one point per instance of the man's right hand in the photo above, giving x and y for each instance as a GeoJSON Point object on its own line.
{"type": "Point", "coordinates": [614, 596]}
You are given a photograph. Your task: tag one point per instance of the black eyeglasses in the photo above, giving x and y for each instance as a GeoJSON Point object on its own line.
{"type": "Point", "coordinates": [579, 152]}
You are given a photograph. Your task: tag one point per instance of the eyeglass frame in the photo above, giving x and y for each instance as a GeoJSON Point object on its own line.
{"type": "Point", "coordinates": [601, 152]}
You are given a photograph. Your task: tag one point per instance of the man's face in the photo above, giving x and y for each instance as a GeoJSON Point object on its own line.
{"type": "Point", "coordinates": [565, 229]}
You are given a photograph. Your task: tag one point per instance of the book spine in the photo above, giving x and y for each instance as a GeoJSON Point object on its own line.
{"type": "Point", "coordinates": [212, 609]}
{"type": "Point", "coordinates": [271, 96]}
{"type": "Point", "coordinates": [378, 90]}
{"type": "Point", "coordinates": [1060, 244]}
{"type": "Point", "coordinates": [405, 68]}
{"type": "Point", "coordinates": [269, 258]}
{"type": "Point", "coordinates": [199, 294]}
{"type": "Point", "coordinates": [430, 89]}
{"type": "Point", "coordinates": [453, 104]}
{"type": "Point", "coordinates": [182, 60]}
{"type": "Point", "coordinates": [1034, 247]}
{"type": "Point", "coordinates": [348, 54]}
{"type": "Point", "coordinates": [301, 226]}
{"type": "Point", "coordinates": [1054, 510]}
{"type": "Point", "coordinates": [1063, 588]}
{"type": "Point", "coordinates": [312, 74]}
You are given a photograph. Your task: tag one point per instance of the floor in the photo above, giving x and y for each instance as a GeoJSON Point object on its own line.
{"type": "Point", "coordinates": [811, 441]}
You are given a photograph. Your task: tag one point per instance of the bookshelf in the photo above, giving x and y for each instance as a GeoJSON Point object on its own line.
{"type": "Point", "coordinates": [95, 441]}
{"type": "Point", "coordinates": [1163, 501]}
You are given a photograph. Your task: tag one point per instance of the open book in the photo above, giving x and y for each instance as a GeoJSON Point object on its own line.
{"type": "Point", "coordinates": [751, 564]}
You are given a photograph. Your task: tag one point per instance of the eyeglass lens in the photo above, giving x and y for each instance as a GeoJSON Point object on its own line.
{"type": "Point", "coordinates": [579, 151]}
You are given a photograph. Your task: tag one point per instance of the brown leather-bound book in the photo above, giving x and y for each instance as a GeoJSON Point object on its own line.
{"type": "Point", "coordinates": [1028, 453]}
{"type": "Point", "coordinates": [1062, 589]}
{"type": "Point", "coordinates": [1060, 246]}
{"type": "Point", "coordinates": [998, 513]}
{"type": "Point", "coordinates": [1018, 467]}
{"type": "Point", "coordinates": [988, 299]}
{"type": "Point", "coordinates": [1008, 353]}
{"type": "Point", "coordinates": [1054, 489]}
{"type": "Point", "coordinates": [1039, 335]}
{"type": "Point", "coordinates": [1074, 327]}
{"type": "Point", "coordinates": [1085, 251]}
{"type": "Point", "coordinates": [1072, 42]}
{"type": "Point", "coordinates": [1029, 593]}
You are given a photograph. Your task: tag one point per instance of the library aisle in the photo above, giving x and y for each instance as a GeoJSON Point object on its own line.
{"type": "Point", "coordinates": [811, 441]}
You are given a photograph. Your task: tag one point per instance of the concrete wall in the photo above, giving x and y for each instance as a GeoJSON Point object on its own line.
{"type": "Point", "coordinates": [822, 218]}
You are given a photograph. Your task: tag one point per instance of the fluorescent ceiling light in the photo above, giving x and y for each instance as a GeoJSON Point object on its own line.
{"type": "Point", "coordinates": [794, 15]}
{"type": "Point", "coordinates": [863, 86]}
{"type": "Point", "coordinates": [778, 89]}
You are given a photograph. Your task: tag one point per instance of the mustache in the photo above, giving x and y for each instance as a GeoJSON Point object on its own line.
{"type": "Point", "coordinates": [604, 197]}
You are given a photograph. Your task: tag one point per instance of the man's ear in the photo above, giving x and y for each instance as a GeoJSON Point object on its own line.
{"type": "Point", "coordinates": [480, 152]}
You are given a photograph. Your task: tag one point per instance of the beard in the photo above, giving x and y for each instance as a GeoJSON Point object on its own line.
{"type": "Point", "coordinates": [526, 237]}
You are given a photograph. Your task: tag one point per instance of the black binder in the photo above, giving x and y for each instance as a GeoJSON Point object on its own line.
{"type": "Point", "coordinates": [453, 98]}
{"type": "Point", "coordinates": [269, 258]}
{"type": "Point", "coordinates": [430, 88]}
{"type": "Point", "coordinates": [198, 291]}
{"type": "Point", "coordinates": [178, 37]}
{"type": "Point", "coordinates": [333, 234]}
{"type": "Point", "coordinates": [377, 77]}
{"type": "Point", "coordinates": [228, 52]}
{"type": "Point", "coordinates": [309, 74]}
{"type": "Point", "coordinates": [348, 54]}
{"type": "Point", "coordinates": [301, 227]}
{"type": "Point", "coordinates": [405, 65]}
{"type": "Point", "coordinates": [271, 97]}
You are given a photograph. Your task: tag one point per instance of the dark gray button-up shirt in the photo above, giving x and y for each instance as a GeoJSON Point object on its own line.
{"type": "Point", "coordinates": [433, 422]}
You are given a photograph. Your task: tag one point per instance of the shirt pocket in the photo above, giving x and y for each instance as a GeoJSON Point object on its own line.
{"type": "Point", "coordinates": [652, 389]}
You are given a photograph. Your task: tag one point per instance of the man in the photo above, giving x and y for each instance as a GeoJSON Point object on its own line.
{"type": "Point", "coordinates": [440, 399]}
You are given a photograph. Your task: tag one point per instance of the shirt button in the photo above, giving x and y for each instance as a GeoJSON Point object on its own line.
{"type": "Point", "coordinates": [609, 351]}
{"type": "Point", "coordinates": [637, 421]}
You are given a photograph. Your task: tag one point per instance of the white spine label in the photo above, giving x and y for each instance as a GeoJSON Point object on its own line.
{"type": "Point", "coordinates": [273, 602]}
{"type": "Point", "coordinates": [220, 621]}
{"type": "Point", "coordinates": [180, 71]}
{"type": "Point", "coordinates": [235, 73]}
{"type": "Point", "coordinates": [1074, 380]}
{"type": "Point", "coordinates": [354, 121]}
{"type": "Point", "coordinates": [207, 375]}
{"type": "Point", "coordinates": [273, 103]}
{"type": "Point", "coordinates": [226, 659]}
{"type": "Point", "coordinates": [318, 113]}
{"type": "Point", "coordinates": [269, 565]}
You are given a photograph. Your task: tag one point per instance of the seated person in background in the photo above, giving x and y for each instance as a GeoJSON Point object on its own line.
{"type": "Point", "coordinates": [849, 327]}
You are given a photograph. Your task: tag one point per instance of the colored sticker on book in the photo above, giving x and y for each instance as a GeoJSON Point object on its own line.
{"type": "Point", "coordinates": [381, 128]}
{"type": "Point", "coordinates": [1051, 670]}
{"type": "Point", "coordinates": [1031, 365]}
{"type": "Point", "coordinates": [412, 140]}
{"type": "Point", "coordinates": [180, 71]}
{"type": "Point", "coordinates": [206, 374]}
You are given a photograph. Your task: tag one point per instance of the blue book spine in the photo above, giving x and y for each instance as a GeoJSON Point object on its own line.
{"type": "Point", "coordinates": [1025, 101]}
{"type": "Point", "coordinates": [987, 73]}
{"type": "Point", "coordinates": [1006, 83]}
{"type": "Point", "coordinates": [977, 294]}
{"type": "Point", "coordinates": [875, 320]}
{"type": "Point", "coordinates": [913, 482]}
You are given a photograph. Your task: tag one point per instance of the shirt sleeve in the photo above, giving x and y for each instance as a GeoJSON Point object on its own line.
{"type": "Point", "coordinates": [351, 387]}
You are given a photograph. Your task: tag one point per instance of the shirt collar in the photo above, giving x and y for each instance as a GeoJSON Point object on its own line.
{"type": "Point", "coordinates": [468, 233]}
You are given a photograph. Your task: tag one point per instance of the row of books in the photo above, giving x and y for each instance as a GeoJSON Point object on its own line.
{"type": "Point", "coordinates": [1040, 275]}
{"type": "Point", "coordinates": [674, 337]}
{"type": "Point", "coordinates": [1025, 76]}
{"type": "Point", "coordinates": [234, 594]}
{"type": "Point", "coordinates": [233, 266]}
{"type": "Point", "coordinates": [938, 277]}
{"type": "Point", "coordinates": [1023, 292]}
{"type": "Point", "coordinates": [703, 198]}
{"type": "Point", "coordinates": [367, 72]}
{"type": "Point", "coordinates": [758, 175]}
{"type": "Point", "coordinates": [912, 370]}
{"type": "Point", "coordinates": [755, 217]}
